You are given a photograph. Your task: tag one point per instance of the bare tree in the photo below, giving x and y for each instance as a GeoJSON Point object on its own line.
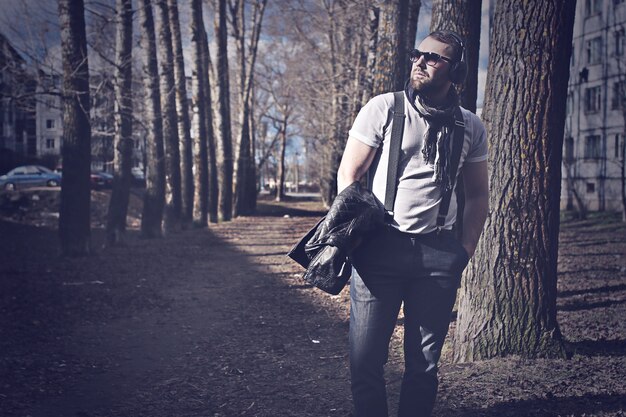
{"type": "Point", "coordinates": [462, 17]}
{"type": "Point", "coordinates": [184, 124]}
{"type": "Point", "coordinates": [245, 195]}
{"type": "Point", "coordinates": [170, 122]}
{"type": "Point", "coordinates": [154, 196]}
{"type": "Point", "coordinates": [508, 302]}
{"type": "Point", "coordinates": [74, 212]}
{"type": "Point", "coordinates": [123, 142]}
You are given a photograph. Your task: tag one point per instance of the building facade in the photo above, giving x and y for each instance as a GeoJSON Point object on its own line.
{"type": "Point", "coordinates": [17, 105]}
{"type": "Point", "coordinates": [49, 115]}
{"type": "Point", "coordinates": [593, 151]}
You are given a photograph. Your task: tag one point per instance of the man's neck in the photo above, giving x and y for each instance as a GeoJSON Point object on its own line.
{"type": "Point", "coordinates": [435, 99]}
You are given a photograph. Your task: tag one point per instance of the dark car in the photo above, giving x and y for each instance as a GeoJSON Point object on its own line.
{"type": "Point", "coordinates": [100, 180]}
{"type": "Point", "coordinates": [29, 176]}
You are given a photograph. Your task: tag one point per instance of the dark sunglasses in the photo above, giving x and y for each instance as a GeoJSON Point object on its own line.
{"type": "Point", "coordinates": [431, 58]}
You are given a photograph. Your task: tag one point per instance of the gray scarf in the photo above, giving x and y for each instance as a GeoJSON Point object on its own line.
{"type": "Point", "coordinates": [439, 135]}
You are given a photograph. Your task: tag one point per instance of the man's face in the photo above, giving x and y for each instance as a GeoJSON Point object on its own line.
{"type": "Point", "coordinates": [432, 81]}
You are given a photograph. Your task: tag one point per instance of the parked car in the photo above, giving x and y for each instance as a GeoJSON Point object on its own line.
{"type": "Point", "coordinates": [29, 176]}
{"type": "Point", "coordinates": [101, 180]}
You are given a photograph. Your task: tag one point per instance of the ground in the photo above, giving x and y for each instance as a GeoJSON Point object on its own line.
{"type": "Point", "coordinates": [218, 322]}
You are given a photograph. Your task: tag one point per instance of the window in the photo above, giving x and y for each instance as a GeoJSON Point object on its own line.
{"type": "Point", "coordinates": [593, 7]}
{"type": "Point", "coordinates": [591, 187]}
{"type": "Point", "coordinates": [619, 42]}
{"type": "Point", "coordinates": [594, 50]}
{"type": "Point", "coordinates": [618, 152]}
{"type": "Point", "coordinates": [592, 99]}
{"type": "Point", "coordinates": [617, 101]}
{"type": "Point", "coordinates": [49, 143]}
{"type": "Point", "coordinates": [50, 124]}
{"type": "Point", "coordinates": [593, 148]}
{"type": "Point", "coordinates": [569, 149]}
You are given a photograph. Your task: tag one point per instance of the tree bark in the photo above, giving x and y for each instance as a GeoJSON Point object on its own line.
{"type": "Point", "coordinates": [211, 139]}
{"type": "Point", "coordinates": [391, 49]}
{"type": "Point", "coordinates": [280, 184]}
{"type": "Point", "coordinates": [170, 122]}
{"type": "Point", "coordinates": [123, 141]}
{"type": "Point", "coordinates": [463, 17]}
{"type": "Point", "coordinates": [508, 302]}
{"type": "Point", "coordinates": [200, 160]}
{"type": "Point", "coordinates": [244, 198]}
{"type": "Point", "coordinates": [154, 196]}
{"type": "Point", "coordinates": [184, 124]}
{"type": "Point", "coordinates": [225, 146]}
{"type": "Point", "coordinates": [74, 212]}
{"type": "Point", "coordinates": [411, 26]}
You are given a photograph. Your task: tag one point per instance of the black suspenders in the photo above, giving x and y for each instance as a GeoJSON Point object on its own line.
{"type": "Point", "coordinates": [395, 145]}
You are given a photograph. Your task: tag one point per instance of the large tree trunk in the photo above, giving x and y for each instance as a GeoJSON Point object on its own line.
{"type": "Point", "coordinates": [184, 124]}
{"type": "Point", "coordinates": [392, 46]}
{"type": "Point", "coordinates": [170, 122]}
{"type": "Point", "coordinates": [123, 141]}
{"type": "Point", "coordinates": [508, 303]}
{"type": "Point", "coordinates": [201, 168]}
{"type": "Point", "coordinates": [74, 212]}
{"type": "Point", "coordinates": [154, 196]}
{"type": "Point", "coordinates": [225, 146]}
{"type": "Point", "coordinates": [463, 17]}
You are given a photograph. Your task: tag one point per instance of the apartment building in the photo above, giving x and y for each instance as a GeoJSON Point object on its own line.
{"type": "Point", "coordinates": [593, 150]}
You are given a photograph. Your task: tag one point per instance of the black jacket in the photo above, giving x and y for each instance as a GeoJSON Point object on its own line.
{"type": "Point", "coordinates": [324, 250]}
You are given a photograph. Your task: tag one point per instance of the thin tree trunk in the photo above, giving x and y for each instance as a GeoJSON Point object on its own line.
{"type": "Point", "coordinates": [170, 122]}
{"type": "Point", "coordinates": [154, 195]}
{"type": "Point", "coordinates": [200, 161]}
{"type": "Point", "coordinates": [184, 124]}
{"type": "Point", "coordinates": [244, 199]}
{"type": "Point", "coordinates": [411, 26]}
{"type": "Point", "coordinates": [508, 303]}
{"type": "Point", "coordinates": [213, 186]}
{"type": "Point", "coordinates": [123, 141]}
{"type": "Point", "coordinates": [225, 146]}
{"type": "Point", "coordinates": [74, 212]}
{"type": "Point", "coordinates": [463, 17]}
{"type": "Point", "coordinates": [280, 185]}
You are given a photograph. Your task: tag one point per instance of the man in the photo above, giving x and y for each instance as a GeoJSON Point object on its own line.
{"type": "Point", "coordinates": [403, 263]}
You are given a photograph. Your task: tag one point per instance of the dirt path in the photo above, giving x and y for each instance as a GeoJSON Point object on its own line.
{"type": "Point", "coordinates": [218, 323]}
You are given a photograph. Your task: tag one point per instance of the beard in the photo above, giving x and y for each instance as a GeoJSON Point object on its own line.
{"type": "Point", "coordinates": [427, 86]}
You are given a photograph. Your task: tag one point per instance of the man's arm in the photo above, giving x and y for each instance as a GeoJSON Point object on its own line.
{"type": "Point", "coordinates": [476, 182]}
{"type": "Point", "coordinates": [356, 160]}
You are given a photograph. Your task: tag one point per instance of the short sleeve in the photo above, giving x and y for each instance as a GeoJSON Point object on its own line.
{"type": "Point", "coordinates": [369, 124]}
{"type": "Point", "coordinates": [478, 150]}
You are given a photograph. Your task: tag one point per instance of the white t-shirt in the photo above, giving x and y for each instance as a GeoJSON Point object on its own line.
{"type": "Point", "coordinates": [418, 196]}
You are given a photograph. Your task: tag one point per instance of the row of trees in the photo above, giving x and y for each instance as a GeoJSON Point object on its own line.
{"type": "Point", "coordinates": [189, 146]}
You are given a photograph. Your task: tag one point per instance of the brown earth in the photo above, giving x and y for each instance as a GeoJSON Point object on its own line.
{"type": "Point", "coordinates": [217, 322]}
